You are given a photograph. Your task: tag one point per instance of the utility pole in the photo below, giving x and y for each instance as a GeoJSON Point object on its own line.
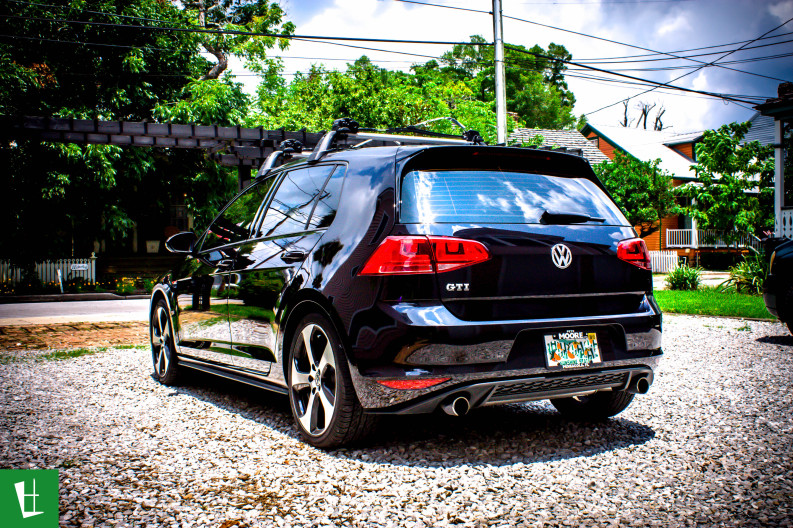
{"type": "Point", "coordinates": [501, 88]}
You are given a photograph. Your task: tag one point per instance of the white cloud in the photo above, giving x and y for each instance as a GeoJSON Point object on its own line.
{"type": "Point", "coordinates": [675, 25]}
{"type": "Point", "coordinates": [783, 11]}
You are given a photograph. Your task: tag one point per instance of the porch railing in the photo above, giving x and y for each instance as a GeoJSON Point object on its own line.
{"type": "Point", "coordinates": [785, 223]}
{"type": "Point", "coordinates": [47, 270]}
{"type": "Point", "coordinates": [707, 238]}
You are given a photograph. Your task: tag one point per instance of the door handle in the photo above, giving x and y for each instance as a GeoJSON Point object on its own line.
{"type": "Point", "coordinates": [290, 257]}
{"type": "Point", "coordinates": [225, 264]}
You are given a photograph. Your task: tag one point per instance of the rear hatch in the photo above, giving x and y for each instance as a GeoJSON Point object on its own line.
{"type": "Point", "coordinates": [551, 231]}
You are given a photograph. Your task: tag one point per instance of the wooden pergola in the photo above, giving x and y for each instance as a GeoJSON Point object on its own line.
{"type": "Point", "coordinates": [234, 146]}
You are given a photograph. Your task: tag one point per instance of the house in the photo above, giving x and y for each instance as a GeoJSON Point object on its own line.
{"type": "Point", "coordinates": [677, 155]}
{"type": "Point", "coordinates": [571, 140]}
{"type": "Point", "coordinates": [780, 110]}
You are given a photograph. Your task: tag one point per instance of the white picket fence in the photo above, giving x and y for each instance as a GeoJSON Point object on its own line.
{"type": "Point", "coordinates": [663, 261]}
{"type": "Point", "coordinates": [48, 270]}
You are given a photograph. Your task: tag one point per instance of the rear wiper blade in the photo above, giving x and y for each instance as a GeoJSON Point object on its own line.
{"type": "Point", "coordinates": [553, 217]}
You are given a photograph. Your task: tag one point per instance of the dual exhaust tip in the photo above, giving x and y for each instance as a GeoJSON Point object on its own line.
{"type": "Point", "coordinates": [459, 405]}
{"type": "Point", "coordinates": [639, 384]}
{"type": "Point", "coordinates": [456, 405]}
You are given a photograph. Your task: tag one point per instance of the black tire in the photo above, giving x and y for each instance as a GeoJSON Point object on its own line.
{"type": "Point", "coordinates": [319, 384]}
{"type": "Point", "coordinates": [598, 406]}
{"type": "Point", "coordinates": [163, 354]}
{"type": "Point", "coordinates": [787, 309]}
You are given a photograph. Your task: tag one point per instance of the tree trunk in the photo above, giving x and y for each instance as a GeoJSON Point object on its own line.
{"type": "Point", "coordinates": [220, 67]}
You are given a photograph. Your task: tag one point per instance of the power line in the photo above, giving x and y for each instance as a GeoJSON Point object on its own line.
{"type": "Point", "coordinates": [589, 36]}
{"type": "Point", "coordinates": [249, 33]}
{"type": "Point", "coordinates": [640, 47]}
{"type": "Point", "coordinates": [447, 7]}
{"type": "Point", "coordinates": [362, 39]}
{"type": "Point", "coordinates": [696, 49]}
{"type": "Point", "coordinates": [607, 61]}
{"type": "Point", "coordinates": [694, 71]}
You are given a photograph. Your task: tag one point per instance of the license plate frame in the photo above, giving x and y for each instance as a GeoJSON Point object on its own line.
{"type": "Point", "coordinates": [571, 349]}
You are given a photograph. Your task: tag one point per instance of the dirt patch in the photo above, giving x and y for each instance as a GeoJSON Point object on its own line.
{"type": "Point", "coordinates": [73, 335]}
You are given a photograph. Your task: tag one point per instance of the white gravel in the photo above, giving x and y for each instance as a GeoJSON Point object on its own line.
{"type": "Point", "coordinates": [711, 445]}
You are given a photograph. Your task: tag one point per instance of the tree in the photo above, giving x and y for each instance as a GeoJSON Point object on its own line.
{"type": "Point", "coordinates": [644, 114]}
{"type": "Point", "coordinates": [641, 189]}
{"type": "Point", "coordinates": [247, 16]}
{"type": "Point", "coordinates": [374, 96]}
{"type": "Point", "coordinates": [734, 190]}
{"type": "Point", "coordinates": [535, 86]}
{"type": "Point", "coordinates": [71, 195]}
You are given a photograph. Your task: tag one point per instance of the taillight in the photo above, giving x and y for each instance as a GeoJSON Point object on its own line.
{"type": "Point", "coordinates": [634, 250]}
{"type": "Point", "coordinates": [404, 255]}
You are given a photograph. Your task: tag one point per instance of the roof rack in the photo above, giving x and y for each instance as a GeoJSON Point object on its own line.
{"type": "Point", "coordinates": [346, 132]}
{"type": "Point", "coordinates": [287, 150]}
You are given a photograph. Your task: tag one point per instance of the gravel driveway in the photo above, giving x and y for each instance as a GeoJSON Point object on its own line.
{"type": "Point", "coordinates": [711, 445]}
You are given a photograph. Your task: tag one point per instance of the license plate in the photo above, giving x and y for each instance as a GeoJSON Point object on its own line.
{"type": "Point", "coordinates": [571, 349]}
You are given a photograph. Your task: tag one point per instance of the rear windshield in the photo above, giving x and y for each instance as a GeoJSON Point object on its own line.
{"type": "Point", "coordinates": [494, 197]}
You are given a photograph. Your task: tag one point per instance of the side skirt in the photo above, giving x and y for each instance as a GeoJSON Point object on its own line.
{"type": "Point", "coordinates": [231, 375]}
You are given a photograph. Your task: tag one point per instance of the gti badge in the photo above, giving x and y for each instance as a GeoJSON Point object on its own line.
{"type": "Point", "coordinates": [561, 256]}
{"type": "Point", "coordinates": [451, 286]}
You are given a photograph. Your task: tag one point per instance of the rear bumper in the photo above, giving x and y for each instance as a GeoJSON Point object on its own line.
{"type": "Point", "coordinates": [513, 389]}
{"type": "Point", "coordinates": [497, 362]}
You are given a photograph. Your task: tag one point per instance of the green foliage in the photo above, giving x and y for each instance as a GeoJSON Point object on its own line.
{"type": "Point", "coordinates": [375, 97]}
{"type": "Point", "coordinates": [684, 278]}
{"type": "Point", "coordinates": [535, 87]}
{"type": "Point", "coordinates": [210, 102]}
{"type": "Point", "coordinates": [125, 286]}
{"type": "Point", "coordinates": [71, 195]}
{"type": "Point", "coordinates": [640, 188]}
{"type": "Point", "coordinates": [244, 16]}
{"type": "Point", "coordinates": [748, 275]}
{"type": "Point", "coordinates": [729, 176]}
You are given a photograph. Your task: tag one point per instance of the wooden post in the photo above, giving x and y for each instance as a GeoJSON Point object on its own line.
{"type": "Point", "coordinates": [244, 176]}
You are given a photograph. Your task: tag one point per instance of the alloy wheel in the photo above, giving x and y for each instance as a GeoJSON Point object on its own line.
{"type": "Point", "coordinates": [161, 341]}
{"type": "Point", "coordinates": [314, 380]}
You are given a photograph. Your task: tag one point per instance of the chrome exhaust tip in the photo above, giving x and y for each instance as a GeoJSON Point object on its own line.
{"type": "Point", "coordinates": [456, 406]}
{"type": "Point", "coordinates": [639, 385]}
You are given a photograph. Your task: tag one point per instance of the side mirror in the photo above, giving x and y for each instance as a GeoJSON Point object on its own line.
{"type": "Point", "coordinates": [181, 242]}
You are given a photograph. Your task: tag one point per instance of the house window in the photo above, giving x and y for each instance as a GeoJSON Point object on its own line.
{"type": "Point", "coordinates": [595, 141]}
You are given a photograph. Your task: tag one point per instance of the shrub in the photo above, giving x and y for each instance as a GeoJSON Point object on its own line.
{"type": "Point", "coordinates": [148, 285]}
{"type": "Point", "coordinates": [748, 275]}
{"type": "Point", "coordinates": [125, 286]}
{"type": "Point", "coordinates": [684, 278]}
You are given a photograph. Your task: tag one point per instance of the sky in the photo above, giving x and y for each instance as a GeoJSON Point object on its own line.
{"type": "Point", "coordinates": [659, 25]}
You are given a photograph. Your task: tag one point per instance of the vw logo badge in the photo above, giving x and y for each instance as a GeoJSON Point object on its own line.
{"type": "Point", "coordinates": [561, 256]}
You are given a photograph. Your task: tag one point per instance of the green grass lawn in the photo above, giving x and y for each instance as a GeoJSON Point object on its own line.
{"type": "Point", "coordinates": [709, 301]}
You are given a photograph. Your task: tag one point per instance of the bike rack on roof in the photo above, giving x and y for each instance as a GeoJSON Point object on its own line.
{"type": "Point", "coordinates": [346, 130]}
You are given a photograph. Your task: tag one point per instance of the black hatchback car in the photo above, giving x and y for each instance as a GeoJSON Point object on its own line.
{"type": "Point", "coordinates": [414, 278]}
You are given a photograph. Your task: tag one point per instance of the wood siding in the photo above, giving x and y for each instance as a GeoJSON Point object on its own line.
{"type": "Point", "coordinates": [604, 146]}
{"type": "Point", "coordinates": [686, 149]}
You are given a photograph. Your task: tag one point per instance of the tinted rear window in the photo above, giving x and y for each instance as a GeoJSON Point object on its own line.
{"type": "Point", "coordinates": [491, 197]}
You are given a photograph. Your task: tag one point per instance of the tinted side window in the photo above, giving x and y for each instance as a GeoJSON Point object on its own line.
{"type": "Point", "coordinates": [235, 221]}
{"type": "Point", "coordinates": [293, 201]}
{"type": "Point", "coordinates": [328, 201]}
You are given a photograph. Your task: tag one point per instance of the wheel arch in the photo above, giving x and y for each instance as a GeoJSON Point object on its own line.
{"type": "Point", "coordinates": [305, 302]}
